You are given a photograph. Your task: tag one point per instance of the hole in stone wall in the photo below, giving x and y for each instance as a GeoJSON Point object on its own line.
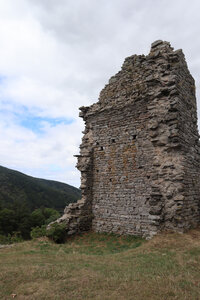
{"type": "Point", "coordinates": [97, 171]}
{"type": "Point", "coordinates": [147, 200]}
{"type": "Point", "coordinates": [113, 140]}
{"type": "Point", "coordinates": [165, 92]}
{"type": "Point", "coordinates": [148, 176]}
{"type": "Point", "coordinates": [101, 148]}
{"type": "Point", "coordinates": [97, 143]}
{"type": "Point", "coordinates": [110, 179]}
{"type": "Point", "coordinates": [134, 136]}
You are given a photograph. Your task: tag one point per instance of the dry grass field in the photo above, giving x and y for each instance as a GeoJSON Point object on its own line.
{"type": "Point", "coordinates": [101, 266]}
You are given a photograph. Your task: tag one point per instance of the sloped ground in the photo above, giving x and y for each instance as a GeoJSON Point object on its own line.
{"type": "Point", "coordinates": [101, 266]}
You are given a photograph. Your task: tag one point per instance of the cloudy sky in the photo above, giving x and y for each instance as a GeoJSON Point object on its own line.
{"type": "Point", "coordinates": [56, 55]}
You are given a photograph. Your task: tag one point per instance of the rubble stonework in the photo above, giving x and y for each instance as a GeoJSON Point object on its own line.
{"type": "Point", "coordinates": [140, 155]}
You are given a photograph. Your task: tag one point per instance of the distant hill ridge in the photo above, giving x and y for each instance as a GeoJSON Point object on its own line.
{"type": "Point", "coordinates": [36, 192]}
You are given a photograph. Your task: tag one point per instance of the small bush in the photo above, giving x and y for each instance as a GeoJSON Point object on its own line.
{"type": "Point", "coordinates": [49, 212]}
{"type": "Point", "coordinates": [10, 239]}
{"type": "Point", "coordinates": [16, 237]}
{"type": "Point", "coordinates": [56, 233]}
{"type": "Point", "coordinates": [4, 240]}
{"type": "Point", "coordinates": [52, 219]}
{"type": "Point", "coordinates": [37, 232]}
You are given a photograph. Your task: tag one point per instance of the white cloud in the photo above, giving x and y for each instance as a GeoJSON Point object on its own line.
{"type": "Point", "coordinates": [50, 152]}
{"type": "Point", "coordinates": [57, 56]}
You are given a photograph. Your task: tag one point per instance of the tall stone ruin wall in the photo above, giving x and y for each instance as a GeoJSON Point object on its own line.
{"type": "Point", "coordinates": [140, 155]}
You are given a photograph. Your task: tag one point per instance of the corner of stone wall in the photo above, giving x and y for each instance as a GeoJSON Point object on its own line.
{"type": "Point", "coordinates": [170, 136]}
{"type": "Point", "coordinates": [167, 198]}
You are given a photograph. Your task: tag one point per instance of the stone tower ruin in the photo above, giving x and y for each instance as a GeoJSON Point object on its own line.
{"type": "Point", "coordinates": [140, 155]}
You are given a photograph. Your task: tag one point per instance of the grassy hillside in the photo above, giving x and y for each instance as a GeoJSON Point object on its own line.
{"type": "Point", "coordinates": [16, 186]}
{"type": "Point", "coordinates": [100, 266]}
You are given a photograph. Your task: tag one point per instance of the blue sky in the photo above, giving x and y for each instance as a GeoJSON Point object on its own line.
{"type": "Point", "coordinates": [37, 124]}
{"type": "Point", "coordinates": [31, 119]}
{"type": "Point", "coordinates": [57, 55]}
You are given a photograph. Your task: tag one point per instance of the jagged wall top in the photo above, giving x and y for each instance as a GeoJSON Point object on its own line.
{"type": "Point", "coordinates": [137, 78]}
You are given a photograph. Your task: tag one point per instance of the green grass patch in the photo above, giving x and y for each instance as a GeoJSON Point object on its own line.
{"type": "Point", "coordinates": [103, 266]}
{"type": "Point", "coordinates": [102, 244]}
{"type": "Point", "coordinates": [194, 252]}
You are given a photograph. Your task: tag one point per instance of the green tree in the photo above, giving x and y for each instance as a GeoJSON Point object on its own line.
{"type": "Point", "coordinates": [50, 215]}
{"type": "Point", "coordinates": [7, 221]}
{"type": "Point", "coordinates": [22, 218]}
{"type": "Point", "coordinates": [37, 218]}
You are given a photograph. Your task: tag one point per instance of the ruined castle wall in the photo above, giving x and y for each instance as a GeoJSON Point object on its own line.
{"type": "Point", "coordinates": [145, 146]}
{"type": "Point", "coordinates": [140, 153]}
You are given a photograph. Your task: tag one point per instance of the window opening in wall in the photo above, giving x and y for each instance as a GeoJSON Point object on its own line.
{"type": "Point", "coordinates": [147, 200]}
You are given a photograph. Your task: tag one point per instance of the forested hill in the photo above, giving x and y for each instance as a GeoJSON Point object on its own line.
{"type": "Point", "coordinates": [18, 187]}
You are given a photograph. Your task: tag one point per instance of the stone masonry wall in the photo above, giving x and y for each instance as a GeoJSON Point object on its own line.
{"type": "Point", "coordinates": [140, 155]}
